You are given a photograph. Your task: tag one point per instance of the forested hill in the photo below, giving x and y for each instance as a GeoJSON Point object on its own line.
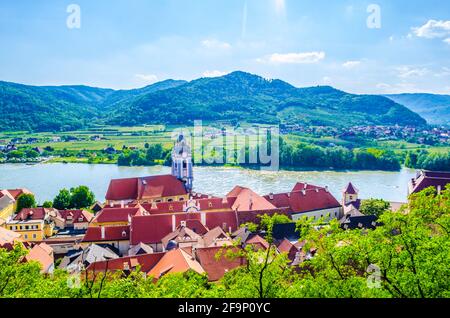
{"type": "Point", "coordinates": [434, 108]}
{"type": "Point", "coordinates": [236, 96]}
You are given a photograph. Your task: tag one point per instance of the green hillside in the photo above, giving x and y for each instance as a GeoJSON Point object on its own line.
{"type": "Point", "coordinates": [233, 97]}
{"type": "Point", "coordinates": [434, 108]}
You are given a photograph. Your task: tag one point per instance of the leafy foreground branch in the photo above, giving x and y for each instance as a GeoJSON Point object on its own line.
{"type": "Point", "coordinates": [406, 257]}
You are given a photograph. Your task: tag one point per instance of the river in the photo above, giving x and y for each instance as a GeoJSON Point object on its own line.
{"type": "Point", "coordinates": [45, 180]}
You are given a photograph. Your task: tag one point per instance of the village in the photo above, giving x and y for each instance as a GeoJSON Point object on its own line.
{"type": "Point", "coordinates": [161, 225]}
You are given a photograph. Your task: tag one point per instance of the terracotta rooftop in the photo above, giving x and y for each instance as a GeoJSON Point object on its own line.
{"type": "Point", "coordinates": [248, 200]}
{"type": "Point", "coordinates": [31, 214]}
{"type": "Point", "coordinates": [145, 188]}
{"type": "Point", "coordinates": [145, 261]}
{"type": "Point", "coordinates": [175, 261]}
{"type": "Point", "coordinates": [108, 215]}
{"type": "Point", "coordinates": [215, 262]}
{"type": "Point", "coordinates": [111, 233]}
{"type": "Point", "coordinates": [304, 201]}
{"type": "Point", "coordinates": [8, 237]}
{"type": "Point", "coordinates": [427, 179]}
{"type": "Point", "coordinates": [78, 216]}
{"type": "Point", "coordinates": [43, 254]}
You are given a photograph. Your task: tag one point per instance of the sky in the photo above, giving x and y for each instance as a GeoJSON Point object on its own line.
{"type": "Point", "coordinates": [363, 47]}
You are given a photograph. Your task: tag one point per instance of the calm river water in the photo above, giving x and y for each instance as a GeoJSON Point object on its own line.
{"type": "Point", "coordinates": [45, 180]}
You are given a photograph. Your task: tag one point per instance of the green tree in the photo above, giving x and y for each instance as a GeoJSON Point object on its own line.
{"type": "Point", "coordinates": [47, 204]}
{"type": "Point", "coordinates": [25, 200]}
{"type": "Point", "coordinates": [81, 197]}
{"type": "Point", "coordinates": [63, 200]}
{"type": "Point", "coordinates": [374, 207]}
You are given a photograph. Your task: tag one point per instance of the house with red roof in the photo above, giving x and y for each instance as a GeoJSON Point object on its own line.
{"type": "Point", "coordinates": [311, 201]}
{"type": "Point", "coordinates": [73, 219]}
{"type": "Point", "coordinates": [126, 265]}
{"type": "Point", "coordinates": [216, 261]}
{"type": "Point", "coordinates": [43, 254]}
{"type": "Point", "coordinates": [425, 179]}
{"type": "Point", "coordinates": [117, 216]}
{"type": "Point", "coordinates": [175, 261]}
{"type": "Point", "coordinates": [164, 188]}
{"type": "Point", "coordinates": [116, 236]}
{"type": "Point", "coordinates": [34, 224]}
{"type": "Point", "coordinates": [8, 200]}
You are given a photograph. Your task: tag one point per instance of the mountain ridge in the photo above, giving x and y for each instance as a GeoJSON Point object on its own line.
{"type": "Point", "coordinates": [238, 96]}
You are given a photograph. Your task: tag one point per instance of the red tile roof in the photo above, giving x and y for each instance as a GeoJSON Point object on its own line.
{"type": "Point", "coordinates": [150, 229]}
{"type": "Point", "coordinates": [77, 215]}
{"type": "Point", "coordinates": [17, 192]}
{"type": "Point", "coordinates": [117, 214]}
{"type": "Point", "coordinates": [224, 220]}
{"type": "Point", "coordinates": [258, 241]}
{"type": "Point", "coordinates": [429, 179]}
{"type": "Point", "coordinates": [304, 186]}
{"type": "Point", "coordinates": [304, 201]}
{"type": "Point", "coordinates": [31, 214]}
{"type": "Point", "coordinates": [145, 188]}
{"type": "Point", "coordinates": [216, 267]}
{"type": "Point", "coordinates": [43, 254]}
{"type": "Point", "coordinates": [248, 200]}
{"type": "Point", "coordinates": [112, 233]}
{"type": "Point", "coordinates": [145, 261]}
{"type": "Point", "coordinates": [175, 261]}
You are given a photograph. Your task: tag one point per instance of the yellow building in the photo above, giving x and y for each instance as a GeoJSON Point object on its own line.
{"type": "Point", "coordinates": [33, 224]}
{"type": "Point", "coordinates": [8, 203]}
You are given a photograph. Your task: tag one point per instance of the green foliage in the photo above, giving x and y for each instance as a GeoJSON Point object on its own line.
{"type": "Point", "coordinates": [428, 161]}
{"type": "Point", "coordinates": [63, 200]}
{"type": "Point", "coordinates": [252, 227]}
{"type": "Point", "coordinates": [235, 97]}
{"type": "Point", "coordinates": [25, 200]}
{"type": "Point", "coordinates": [374, 207]}
{"type": "Point", "coordinates": [306, 156]}
{"type": "Point", "coordinates": [81, 197]}
{"type": "Point", "coordinates": [149, 157]}
{"type": "Point", "coordinates": [47, 204]}
{"type": "Point", "coordinates": [77, 198]}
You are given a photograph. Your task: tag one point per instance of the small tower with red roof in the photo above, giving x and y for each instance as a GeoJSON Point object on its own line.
{"type": "Point", "coordinates": [350, 194]}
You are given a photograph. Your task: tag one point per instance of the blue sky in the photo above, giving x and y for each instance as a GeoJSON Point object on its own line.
{"type": "Point", "coordinates": [133, 43]}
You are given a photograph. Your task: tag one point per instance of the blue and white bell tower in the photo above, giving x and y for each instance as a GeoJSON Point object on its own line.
{"type": "Point", "coordinates": [182, 166]}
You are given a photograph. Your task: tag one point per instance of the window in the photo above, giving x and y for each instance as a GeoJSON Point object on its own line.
{"type": "Point", "coordinates": [169, 200]}
{"type": "Point", "coordinates": [34, 236]}
{"type": "Point", "coordinates": [26, 236]}
{"type": "Point", "coordinates": [181, 199]}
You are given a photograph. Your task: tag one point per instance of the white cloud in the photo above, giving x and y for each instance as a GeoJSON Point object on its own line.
{"type": "Point", "coordinates": [214, 74]}
{"type": "Point", "coordinates": [280, 7]}
{"type": "Point", "coordinates": [351, 64]}
{"type": "Point", "coordinates": [407, 72]}
{"type": "Point", "coordinates": [149, 78]}
{"type": "Point", "coordinates": [326, 80]}
{"type": "Point", "coordinates": [433, 29]}
{"type": "Point", "coordinates": [293, 58]}
{"type": "Point", "coordinates": [216, 44]}
{"type": "Point", "coordinates": [447, 40]}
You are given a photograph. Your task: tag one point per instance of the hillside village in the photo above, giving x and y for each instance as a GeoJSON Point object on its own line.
{"type": "Point", "coordinates": [161, 225]}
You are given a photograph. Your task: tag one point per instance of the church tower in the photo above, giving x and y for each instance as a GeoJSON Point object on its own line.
{"type": "Point", "coordinates": [182, 162]}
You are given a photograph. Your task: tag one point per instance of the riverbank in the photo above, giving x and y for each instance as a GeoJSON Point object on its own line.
{"type": "Point", "coordinates": [46, 179]}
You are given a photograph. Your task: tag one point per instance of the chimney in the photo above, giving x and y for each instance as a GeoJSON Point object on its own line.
{"type": "Point", "coordinates": [326, 188]}
{"type": "Point", "coordinates": [122, 204]}
{"type": "Point", "coordinates": [271, 195]}
{"type": "Point", "coordinates": [174, 225]}
{"type": "Point", "coordinates": [304, 192]}
{"type": "Point", "coordinates": [289, 194]}
{"type": "Point", "coordinates": [103, 232]}
{"type": "Point", "coordinates": [203, 218]}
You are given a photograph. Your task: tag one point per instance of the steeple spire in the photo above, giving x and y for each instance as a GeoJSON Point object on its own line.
{"type": "Point", "coordinates": [182, 166]}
